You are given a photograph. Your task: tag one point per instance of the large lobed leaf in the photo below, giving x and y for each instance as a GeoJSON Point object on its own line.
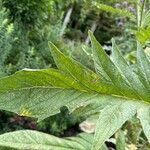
{"type": "Point", "coordinates": [133, 86]}
{"type": "Point", "coordinates": [22, 140]}
{"type": "Point", "coordinates": [27, 139]}
{"type": "Point", "coordinates": [116, 91]}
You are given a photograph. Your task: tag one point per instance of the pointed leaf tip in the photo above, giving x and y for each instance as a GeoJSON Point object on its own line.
{"type": "Point", "coordinates": [90, 32]}
{"type": "Point", "coordinates": [113, 41]}
{"type": "Point", "coordinates": [56, 54]}
{"type": "Point", "coordinates": [54, 49]}
{"type": "Point", "coordinates": [91, 35]}
{"type": "Point", "coordinates": [51, 44]}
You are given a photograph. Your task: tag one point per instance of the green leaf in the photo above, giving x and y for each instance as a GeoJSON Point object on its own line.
{"type": "Point", "coordinates": [85, 77]}
{"type": "Point", "coordinates": [143, 35]}
{"type": "Point", "coordinates": [116, 92]}
{"type": "Point", "coordinates": [119, 74]}
{"type": "Point", "coordinates": [131, 77]}
{"type": "Point", "coordinates": [144, 116]}
{"type": "Point", "coordinates": [27, 139]}
{"type": "Point", "coordinates": [143, 66]}
{"type": "Point", "coordinates": [130, 85]}
{"type": "Point", "coordinates": [120, 140]}
{"type": "Point", "coordinates": [41, 93]}
{"type": "Point", "coordinates": [28, 78]}
{"type": "Point", "coordinates": [110, 120]}
{"type": "Point", "coordinates": [86, 140]}
{"type": "Point", "coordinates": [107, 8]}
{"type": "Point", "coordinates": [35, 93]}
{"type": "Point", "coordinates": [145, 19]}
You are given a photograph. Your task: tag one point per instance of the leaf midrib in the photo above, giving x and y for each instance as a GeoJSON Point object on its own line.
{"type": "Point", "coordinates": [53, 88]}
{"type": "Point", "coordinates": [36, 144]}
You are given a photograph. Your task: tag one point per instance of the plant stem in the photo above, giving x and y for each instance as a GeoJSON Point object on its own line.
{"type": "Point", "coordinates": [66, 20]}
{"type": "Point", "coordinates": [140, 11]}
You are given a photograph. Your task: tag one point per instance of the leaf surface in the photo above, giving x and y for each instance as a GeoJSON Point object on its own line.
{"type": "Point", "coordinates": [110, 120]}
{"type": "Point", "coordinates": [116, 93]}
{"type": "Point", "coordinates": [22, 140]}
{"type": "Point", "coordinates": [144, 116]}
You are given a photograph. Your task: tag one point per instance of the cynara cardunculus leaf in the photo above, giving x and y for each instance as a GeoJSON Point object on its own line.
{"type": "Point", "coordinates": [114, 91]}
